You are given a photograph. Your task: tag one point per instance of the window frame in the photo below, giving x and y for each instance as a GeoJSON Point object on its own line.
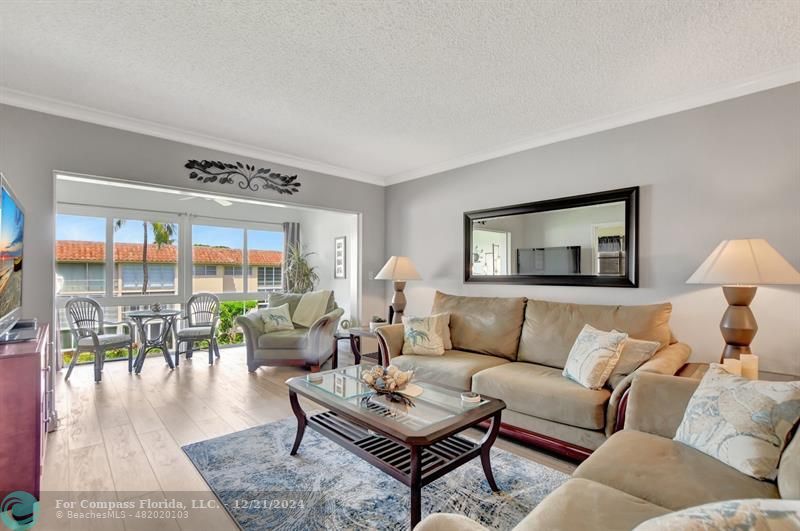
{"type": "Point", "coordinates": [184, 267]}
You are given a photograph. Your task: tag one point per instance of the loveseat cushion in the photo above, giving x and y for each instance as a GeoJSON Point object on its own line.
{"type": "Point", "coordinates": [284, 339]}
{"type": "Point", "coordinates": [584, 504]}
{"type": "Point", "coordinates": [630, 460]}
{"type": "Point", "coordinates": [487, 325]}
{"type": "Point", "coordinates": [454, 368]}
{"type": "Point", "coordinates": [550, 328]}
{"type": "Point", "coordinates": [543, 392]}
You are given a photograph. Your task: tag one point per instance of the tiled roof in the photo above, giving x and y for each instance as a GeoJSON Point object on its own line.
{"type": "Point", "coordinates": [80, 251]}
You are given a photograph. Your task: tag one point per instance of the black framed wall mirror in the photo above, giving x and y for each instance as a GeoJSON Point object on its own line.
{"type": "Point", "coordinates": [584, 240]}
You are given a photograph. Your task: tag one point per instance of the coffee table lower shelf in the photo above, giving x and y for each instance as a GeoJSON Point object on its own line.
{"type": "Point", "coordinates": [391, 456]}
{"type": "Point", "coordinates": [411, 464]}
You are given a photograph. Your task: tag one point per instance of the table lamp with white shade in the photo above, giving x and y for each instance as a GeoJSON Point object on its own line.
{"type": "Point", "coordinates": [398, 269]}
{"type": "Point", "coordinates": [740, 266]}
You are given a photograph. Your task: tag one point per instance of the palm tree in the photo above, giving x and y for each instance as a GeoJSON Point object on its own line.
{"type": "Point", "coordinates": [163, 234]}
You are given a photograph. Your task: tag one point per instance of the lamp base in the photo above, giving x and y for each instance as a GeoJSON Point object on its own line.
{"type": "Point", "coordinates": [398, 302]}
{"type": "Point", "coordinates": [738, 325]}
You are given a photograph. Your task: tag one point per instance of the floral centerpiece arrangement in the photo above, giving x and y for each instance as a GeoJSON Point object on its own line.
{"type": "Point", "coordinates": [389, 382]}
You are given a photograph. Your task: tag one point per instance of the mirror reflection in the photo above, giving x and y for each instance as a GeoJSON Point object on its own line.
{"type": "Point", "coordinates": [581, 241]}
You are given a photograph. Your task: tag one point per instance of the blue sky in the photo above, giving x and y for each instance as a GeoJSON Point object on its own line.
{"type": "Point", "coordinates": [93, 229]}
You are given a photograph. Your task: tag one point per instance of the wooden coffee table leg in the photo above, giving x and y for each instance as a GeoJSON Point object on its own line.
{"type": "Point", "coordinates": [416, 485]}
{"type": "Point", "coordinates": [301, 421]}
{"type": "Point", "coordinates": [486, 447]}
{"type": "Point", "coordinates": [355, 348]}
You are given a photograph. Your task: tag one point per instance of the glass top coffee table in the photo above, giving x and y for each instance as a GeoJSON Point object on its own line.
{"type": "Point", "coordinates": [415, 445]}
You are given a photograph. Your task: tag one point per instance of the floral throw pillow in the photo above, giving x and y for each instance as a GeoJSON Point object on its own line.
{"type": "Point", "coordinates": [277, 318]}
{"type": "Point", "coordinates": [422, 335]}
{"type": "Point", "coordinates": [760, 514]}
{"type": "Point", "coordinates": [743, 423]}
{"type": "Point", "coordinates": [593, 356]}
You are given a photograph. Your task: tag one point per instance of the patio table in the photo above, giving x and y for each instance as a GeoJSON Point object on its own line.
{"type": "Point", "coordinates": [142, 318]}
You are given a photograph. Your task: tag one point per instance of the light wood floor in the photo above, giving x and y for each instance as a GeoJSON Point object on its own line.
{"type": "Point", "coordinates": [124, 435]}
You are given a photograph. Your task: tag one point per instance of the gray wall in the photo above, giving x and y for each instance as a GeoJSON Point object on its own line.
{"type": "Point", "coordinates": [729, 170]}
{"type": "Point", "coordinates": [33, 145]}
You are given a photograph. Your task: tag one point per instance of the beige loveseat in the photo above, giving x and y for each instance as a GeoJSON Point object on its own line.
{"type": "Point", "coordinates": [515, 349]}
{"type": "Point", "coordinates": [309, 347]}
{"type": "Point", "coordinates": [641, 473]}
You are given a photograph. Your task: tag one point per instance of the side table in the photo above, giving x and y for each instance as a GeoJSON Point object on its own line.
{"type": "Point", "coordinates": [354, 335]}
{"type": "Point", "coordinates": [698, 370]}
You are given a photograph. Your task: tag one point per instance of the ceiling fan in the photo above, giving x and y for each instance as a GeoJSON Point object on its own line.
{"type": "Point", "coordinates": [218, 200]}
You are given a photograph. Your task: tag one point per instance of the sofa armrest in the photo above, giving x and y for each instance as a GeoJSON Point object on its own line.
{"type": "Point", "coordinates": [390, 341]}
{"type": "Point", "coordinates": [656, 403]}
{"type": "Point", "coordinates": [448, 522]}
{"type": "Point", "coordinates": [666, 361]}
{"type": "Point", "coordinates": [252, 326]}
{"type": "Point", "coordinates": [322, 333]}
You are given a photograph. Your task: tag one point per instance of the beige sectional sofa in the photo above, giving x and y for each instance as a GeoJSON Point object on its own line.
{"type": "Point", "coordinates": [641, 473]}
{"type": "Point", "coordinates": [515, 349]}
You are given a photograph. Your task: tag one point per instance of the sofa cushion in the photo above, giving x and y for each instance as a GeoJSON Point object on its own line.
{"type": "Point", "coordinates": [454, 368]}
{"type": "Point", "coordinates": [630, 460]}
{"type": "Point", "coordinates": [584, 504]}
{"type": "Point", "coordinates": [543, 392]}
{"type": "Point", "coordinates": [550, 328]}
{"type": "Point", "coordinates": [487, 325]}
{"type": "Point", "coordinates": [580, 437]}
{"type": "Point", "coordinates": [284, 339]}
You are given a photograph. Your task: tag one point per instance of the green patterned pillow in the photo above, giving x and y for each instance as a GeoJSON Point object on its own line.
{"type": "Point", "coordinates": [593, 356]}
{"type": "Point", "coordinates": [761, 515]}
{"type": "Point", "coordinates": [743, 423]}
{"type": "Point", "coordinates": [277, 318]}
{"type": "Point", "coordinates": [422, 335]}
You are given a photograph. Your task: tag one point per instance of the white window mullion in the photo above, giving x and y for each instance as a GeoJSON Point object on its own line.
{"type": "Point", "coordinates": [245, 266]}
{"type": "Point", "coordinates": [109, 292]}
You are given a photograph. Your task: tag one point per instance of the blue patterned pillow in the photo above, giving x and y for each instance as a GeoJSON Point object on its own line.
{"type": "Point", "coordinates": [763, 515]}
{"type": "Point", "coordinates": [593, 356]}
{"type": "Point", "coordinates": [743, 423]}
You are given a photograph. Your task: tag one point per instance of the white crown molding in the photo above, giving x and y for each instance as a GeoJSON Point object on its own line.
{"type": "Point", "coordinates": [766, 81]}
{"type": "Point", "coordinates": [65, 109]}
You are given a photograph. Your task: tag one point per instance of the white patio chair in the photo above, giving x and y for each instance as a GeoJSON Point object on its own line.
{"type": "Point", "coordinates": [201, 316]}
{"type": "Point", "coordinates": [86, 322]}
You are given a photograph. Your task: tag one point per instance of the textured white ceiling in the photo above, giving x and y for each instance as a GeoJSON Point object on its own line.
{"type": "Point", "coordinates": [388, 90]}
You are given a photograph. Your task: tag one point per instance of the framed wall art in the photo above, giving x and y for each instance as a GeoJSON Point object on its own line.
{"type": "Point", "coordinates": [340, 257]}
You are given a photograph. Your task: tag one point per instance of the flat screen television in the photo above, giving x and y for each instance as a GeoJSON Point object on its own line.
{"type": "Point", "coordinates": [12, 227]}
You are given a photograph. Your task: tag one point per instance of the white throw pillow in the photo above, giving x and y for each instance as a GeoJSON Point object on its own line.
{"type": "Point", "coordinates": [593, 356]}
{"type": "Point", "coordinates": [421, 335]}
{"type": "Point", "coordinates": [277, 318]}
{"type": "Point", "coordinates": [634, 353]}
{"type": "Point", "coordinates": [760, 514]}
{"type": "Point", "coordinates": [743, 423]}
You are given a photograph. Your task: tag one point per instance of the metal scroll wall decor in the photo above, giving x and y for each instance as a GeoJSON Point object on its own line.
{"type": "Point", "coordinates": [246, 176]}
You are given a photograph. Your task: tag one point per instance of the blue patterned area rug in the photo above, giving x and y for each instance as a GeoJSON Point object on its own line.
{"type": "Point", "coordinates": [327, 487]}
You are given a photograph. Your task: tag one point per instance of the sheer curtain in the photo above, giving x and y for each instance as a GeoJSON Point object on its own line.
{"type": "Point", "coordinates": [291, 236]}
